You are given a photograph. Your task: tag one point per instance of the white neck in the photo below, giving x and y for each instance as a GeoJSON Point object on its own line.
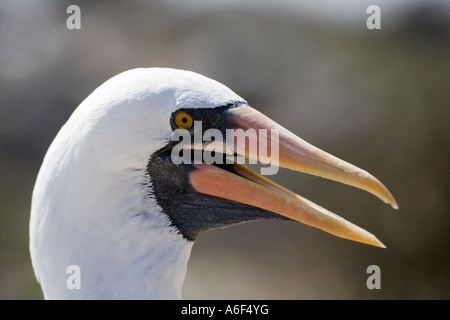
{"type": "Point", "coordinates": [102, 219]}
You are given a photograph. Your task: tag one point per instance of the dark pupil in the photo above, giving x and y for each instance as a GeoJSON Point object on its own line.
{"type": "Point", "coordinates": [184, 120]}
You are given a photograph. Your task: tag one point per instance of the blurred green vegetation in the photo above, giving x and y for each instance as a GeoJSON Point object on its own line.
{"type": "Point", "coordinates": [378, 99]}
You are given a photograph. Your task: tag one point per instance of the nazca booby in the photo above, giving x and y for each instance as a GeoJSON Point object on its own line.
{"type": "Point", "coordinates": [110, 200]}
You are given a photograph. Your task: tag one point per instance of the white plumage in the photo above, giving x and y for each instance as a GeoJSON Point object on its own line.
{"type": "Point", "coordinates": [89, 205]}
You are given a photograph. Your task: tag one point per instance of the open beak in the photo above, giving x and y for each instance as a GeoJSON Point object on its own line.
{"type": "Point", "coordinates": [285, 149]}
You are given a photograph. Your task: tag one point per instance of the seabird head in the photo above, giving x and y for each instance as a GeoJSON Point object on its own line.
{"type": "Point", "coordinates": [113, 198]}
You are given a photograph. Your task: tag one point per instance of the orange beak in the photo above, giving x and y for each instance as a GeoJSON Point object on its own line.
{"type": "Point", "coordinates": [248, 187]}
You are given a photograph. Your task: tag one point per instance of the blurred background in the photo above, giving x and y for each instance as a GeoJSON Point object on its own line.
{"type": "Point", "coordinates": [376, 98]}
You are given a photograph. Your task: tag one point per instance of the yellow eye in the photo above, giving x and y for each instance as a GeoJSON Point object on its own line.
{"type": "Point", "coordinates": [183, 120]}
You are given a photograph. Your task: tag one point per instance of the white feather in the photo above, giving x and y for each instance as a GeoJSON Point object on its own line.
{"type": "Point", "coordinates": [91, 205]}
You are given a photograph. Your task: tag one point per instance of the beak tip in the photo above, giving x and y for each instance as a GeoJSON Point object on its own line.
{"type": "Point", "coordinates": [372, 240]}
{"type": "Point", "coordinates": [393, 203]}
{"type": "Point", "coordinates": [381, 245]}
{"type": "Point", "coordinates": [376, 243]}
